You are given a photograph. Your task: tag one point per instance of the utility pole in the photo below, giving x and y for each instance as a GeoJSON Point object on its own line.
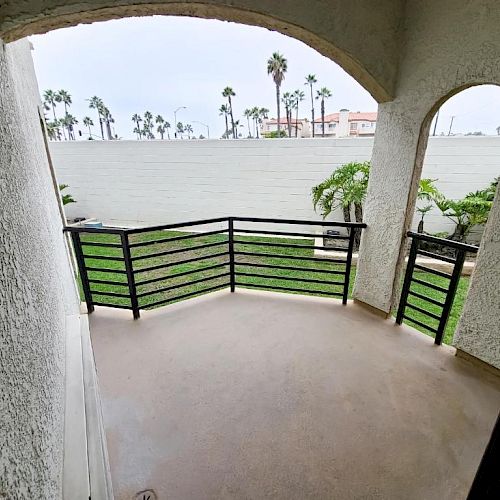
{"type": "Point", "coordinates": [436, 122]}
{"type": "Point", "coordinates": [451, 125]}
{"type": "Point", "coordinates": [175, 119]}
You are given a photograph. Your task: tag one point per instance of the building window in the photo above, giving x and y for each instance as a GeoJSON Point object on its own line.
{"type": "Point", "coordinates": [354, 126]}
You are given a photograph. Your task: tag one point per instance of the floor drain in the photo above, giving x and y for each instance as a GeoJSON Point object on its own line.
{"type": "Point", "coordinates": [145, 495]}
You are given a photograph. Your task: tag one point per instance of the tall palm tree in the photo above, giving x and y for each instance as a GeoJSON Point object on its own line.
{"type": "Point", "coordinates": [65, 98]}
{"type": "Point", "coordinates": [263, 114]}
{"type": "Point", "coordinates": [166, 125]}
{"type": "Point", "coordinates": [322, 94]}
{"type": "Point", "coordinates": [161, 127]}
{"type": "Point", "coordinates": [87, 121]}
{"type": "Point", "coordinates": [68, 121]}
{"type": "Point", "coordinates": [229, 92]}
{"type": "Point", "coordinates": [136, 118]}
{"type": "Point", "coordinates": [287, 100]}
{"type": "Point", "coordinates": [148, 125]}
{"type": "Point", "coordinates": [224, 110]}
{"type": "Point", "coordinates": [97, 104]}
{"type": "Point", "coordinates": [51, 99]}
{"type": "Point", "coordinates": [108, 120]}
{"type": "Point", "coordinates": [180, 129]}
{"type": "Point", "coordinates": [311, 80]}
{"type": "Point", "coordinates": [277, 66]}
{"type": "Point", "coordinates": [189, 129]}
{"type": "Point", "coordinates": [248, 113]}
{"type": "Point", "coordinates": [299, 97]}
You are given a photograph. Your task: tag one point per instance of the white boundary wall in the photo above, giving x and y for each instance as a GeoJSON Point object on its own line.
{"type": "Point", "coordinates": [152, 182]}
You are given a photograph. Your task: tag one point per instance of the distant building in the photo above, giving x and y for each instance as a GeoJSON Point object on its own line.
{"type": "Point", "coordinates": [342, 124]}
{"type": "Point", "coordinates": [302, 125]}
{"type": "Point", "coordinates": [347, 124]}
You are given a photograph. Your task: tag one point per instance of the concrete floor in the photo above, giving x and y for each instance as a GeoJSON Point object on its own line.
{"type": "Point", "coordinates": [261, 395]}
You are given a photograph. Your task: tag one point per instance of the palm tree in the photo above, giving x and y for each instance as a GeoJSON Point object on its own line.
{"type": "Point", "coordinates": [108, 120]}
{"type": "Point", "coordinates": [52, 130]}
{"type": "Point", "coordinates": [136, 118]}
{"type": "Point", "coordinates": [161, 127]}
{"type": "Point", "coordinates": [87, 121]}
{"type": "Point", "coordinates": [180, 129]}
{"type": "Point", "coordinates": [148, 125]}
{"type": "Point", "coordinates": [68, 121]}
{"type": "Point", "coordinates": [287, 100]}
{"type": "Point", "coordinates": [51, 99]}
{"type": "Point", "coordinates": [299, 97]}
{"type": "Point", "coordinates": [323, 93]}
{"type": "Point", "coordinates": [277, 66]}
{"type": "Point", "coordinates": [65, 98]}
{"type": "Point", "coordinates": [229, 92]}
{"type": "Point", "coordinates": [248, 113]}
{"type": "Point", "coordinates": [166, 125]}
{"type": "Point", "coordinates": [97, 104]}
{"type": "Point", "coordinates": [189, 130]}
{"type": "Point", "coordinates": [311, 80]}
{"type": "Point", "coordinates": [224, 110]}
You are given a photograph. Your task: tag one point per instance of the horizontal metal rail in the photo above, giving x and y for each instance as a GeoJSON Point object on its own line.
{"type": "Point", "coordinates": [177, 225]}
{"type": "Point", "coordinates": [185, 295]}
{"type": "Point", "coordinates": [178, 250]}
{"type": "Point", "coordinates": [454, 278]}
{"type": "Point", "coordinates": [237, 268]}
{"type": "Point", "coordinates": [444, 242]}
{"type": "Point", "coordinates": [179, 262]}
{"type": "Point", "coordinates": [286, 245]}
{"type": "Point", "coordinates": [289, 233]}
{"type": "Point", "coordinates": [301, 222]}
{"type": "Point", "coordinates": [432, 255]}
{"type": "Point", "coordinates": [433, 271]}
{"type": "Point", "coordinates": [291, 268]}
{"type": "Point", "coordinates": [430, 285]}
{"type": "Point", "coordinates": [289, 278]}
{"type": "Point", "coordinates": [287, 289]}
{"type": "Point", "coordinates": [292, 257]}
{"type": "Point", "coordinates": [176, 238]}
{"type": "Point", "coordinates": [177, 275]}
{"type": "Point", "coordinates": [181, 285]}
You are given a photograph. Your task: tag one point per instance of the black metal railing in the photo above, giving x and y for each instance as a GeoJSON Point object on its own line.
{"type": "Point", "coordinates": [439, 309]}
{"type": "Point", "coordinates": [230, 258]}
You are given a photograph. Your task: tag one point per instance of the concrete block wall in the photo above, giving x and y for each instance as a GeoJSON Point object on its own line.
{"type": "Point", "coordinates": [154, 182]}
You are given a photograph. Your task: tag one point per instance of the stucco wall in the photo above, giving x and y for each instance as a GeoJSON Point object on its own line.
{"type": "Point", "coordinates": [154, 182]}
{"type": "Point", "coordinates": [339, 29]}
{"type": "Point", "coordinates": [36, 292]}
{"type": "Point", "coordinates": [478, 330]}
{"type": "Point", "coordinates": [446, 46]}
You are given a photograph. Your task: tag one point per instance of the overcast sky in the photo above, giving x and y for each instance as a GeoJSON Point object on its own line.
{"type": "Point", "coordinates": [162, 63]}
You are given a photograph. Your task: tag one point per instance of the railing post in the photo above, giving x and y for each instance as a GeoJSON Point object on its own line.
{"type": "Point", "coordinates": [450, 296]}
{"type": "Point", "coordinates": [347, 277]}
{"type": "Point", "coordinates": [407, 281]}
{"type": "Point", "coordinates": [80, 259]}
{"type": "Point", "coordinates": [130, 275]}
{"type": "Point", "coordinates": [232, 279]}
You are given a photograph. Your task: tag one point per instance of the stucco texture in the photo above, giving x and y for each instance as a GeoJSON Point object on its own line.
{"type": "Point", "coordinates": [339, 29]}
{"type": "Point", "coordinates": [478, 332]}
{"type": "Point", "coordinates": [446, 47]}
{"type": "Point", "coordinates": [36, 292]}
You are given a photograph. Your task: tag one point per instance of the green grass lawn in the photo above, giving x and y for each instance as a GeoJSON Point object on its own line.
{"type": "Point", "coordinates": [217, 268]}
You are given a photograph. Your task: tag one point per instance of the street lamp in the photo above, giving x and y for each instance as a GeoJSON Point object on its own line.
{"type": "Point", "coordinates": [205, 125]}
{"type": "Point", "coordinates": [175, 119]}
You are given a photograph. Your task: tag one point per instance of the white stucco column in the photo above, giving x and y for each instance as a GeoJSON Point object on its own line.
{"type": "Point", "coordinates": [397, 159]}
{"type": "Point", "coordinates": [36, 292]}
{"type": "Point", "coordinates": [478, 331]}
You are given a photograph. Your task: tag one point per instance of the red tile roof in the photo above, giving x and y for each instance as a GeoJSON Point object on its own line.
{"type": "Point", "coordinates": [368, 116]}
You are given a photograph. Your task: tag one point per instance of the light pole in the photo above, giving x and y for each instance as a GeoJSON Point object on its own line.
{"type": "Point", "coordinates": [205, 125]}
{"type": "Point", "coordinates": [175, 119]}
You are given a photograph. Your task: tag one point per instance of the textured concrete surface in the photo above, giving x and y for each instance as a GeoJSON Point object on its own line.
{"type": "Point", "coordinates": [259, 395]}
{"type": "Point", "coordinates": [36, 292]}
{"type": "Point", "coordinates": [478, 332]}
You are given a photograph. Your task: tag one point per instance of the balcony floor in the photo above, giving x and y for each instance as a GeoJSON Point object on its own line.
{"type": "Point", "coordinates": [261, 395]}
